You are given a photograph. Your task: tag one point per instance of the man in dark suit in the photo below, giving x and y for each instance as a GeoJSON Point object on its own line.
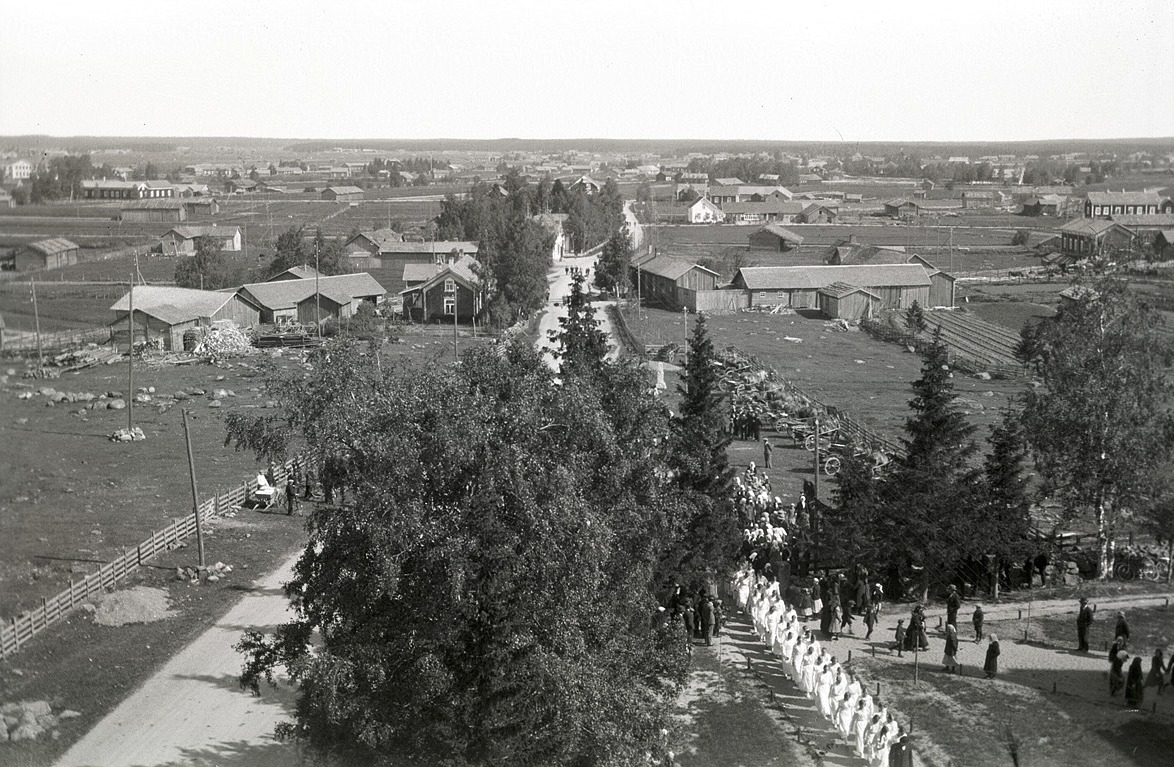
{"type": "Point", "coordinates": [1083, 621]}
{"type": "Point", "coordinates": [706, 616]}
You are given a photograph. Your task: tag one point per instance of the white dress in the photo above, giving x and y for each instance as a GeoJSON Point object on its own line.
{"type": "Point", "coordinates": [824, 691]}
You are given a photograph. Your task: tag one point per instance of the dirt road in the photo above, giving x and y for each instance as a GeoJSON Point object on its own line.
{"type": "Point", "coordinates": [192, 712]}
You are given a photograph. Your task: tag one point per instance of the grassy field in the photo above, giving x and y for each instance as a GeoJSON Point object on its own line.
{"type": "Point", "coordinates": [850, 370]}
{"type": "Point", "coordinates": [61, 307]}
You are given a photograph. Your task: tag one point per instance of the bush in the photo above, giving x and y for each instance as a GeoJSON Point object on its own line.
{"type": "Point", "coordinates": [1020, 237]}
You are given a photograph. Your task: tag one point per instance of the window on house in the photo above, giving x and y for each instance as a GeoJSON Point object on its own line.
{"type": "Point", "coordinates": [450, 306]}
{"type": "Point", "coordinates": [450, 286]}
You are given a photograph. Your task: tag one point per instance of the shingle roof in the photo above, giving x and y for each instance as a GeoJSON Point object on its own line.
{"type": "Point", "coordinates": [285, 294]}
{"type": "Point", "coordinates": [173, 305]}
{"type": "Point", "coordinates": [1124, 198]}
{"type": "Point", "coordinates": [783, 234]}
{"type": "Point", "coordinates": [841, 289]}
{"type": "Point", "coordinates": [815, 277]}
{"type": "Point", "coordinates": [52, 246]}
{"type": "Point", "coordinates": [192, 231]}
{"type": "Point", "coordinates": [671, 268]}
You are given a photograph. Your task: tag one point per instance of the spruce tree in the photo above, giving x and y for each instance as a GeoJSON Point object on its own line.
{"type": "Point", "coordinates": [582, 346]}
{"type": "Point", "coordinates": [1005, 488]}
{"type": "Point", "coordinates": [930, 518]}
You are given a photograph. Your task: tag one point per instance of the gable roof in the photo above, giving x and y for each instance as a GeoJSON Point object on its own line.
{"type": "Point", "coordinates": [462, 270]}
{"type": "Point", "coordinates": [1089, 226]}
{"type": "Point", "coordinates": [192, 231]}
{"type": "Point", "coordinates": [173, 305]}
{"type": "Point", "coordinates": [671, 268]}
{"type": "Point", "coordinates": [1125, 198]}
{"type": "Point", "coordinates": [841, 289]}
{"type": "Point", "coordinates": [378, 237]}
{"type": "Point", "coordinates": [849, 253]}
{"type": "Point", "coordinates": [344, 189]}
{"type": "Point", "coordinates": [815, 277]}
{"type": "Point", "coordinates": [52, 246]}
{"type": "Point", "coordinates": [300, 272]}
{"type": "Point", "coordinates": [285, 294]}
{"type": "Point", "coordinates": [733, 181]}
{"type": "Point", "coordinates": [778, 231]}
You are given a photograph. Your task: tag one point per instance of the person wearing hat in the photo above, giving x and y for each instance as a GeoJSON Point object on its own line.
{"type": "Point", "coordinates": [767, 449]}
{"type": "Point", "coordinates": [1083, 621]}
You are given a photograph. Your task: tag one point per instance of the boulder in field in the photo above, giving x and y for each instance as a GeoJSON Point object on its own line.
{"type": "Point", "coordinates": [116, 404]}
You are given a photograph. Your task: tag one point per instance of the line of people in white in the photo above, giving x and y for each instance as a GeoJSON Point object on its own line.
{"type": "Point", "coordinates": [862, 720]}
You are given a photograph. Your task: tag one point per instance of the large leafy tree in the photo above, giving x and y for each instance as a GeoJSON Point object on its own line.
{"type": "Point", "coordinates": [209, 268]}
{"type": "Point", "coordinates": [295, 248]}
{"type": "Point", "coordinates": [485, 597]}
{"type": "Point", "coordinates": [611, 273]}
{"type": "Point", "coordinates": [1101, 427]}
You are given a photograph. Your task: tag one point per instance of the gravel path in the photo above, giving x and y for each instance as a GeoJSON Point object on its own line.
{"type": "Point", "coordinates": [193, 712]}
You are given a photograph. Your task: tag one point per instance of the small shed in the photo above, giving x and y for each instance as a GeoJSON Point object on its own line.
{"type": "Point", "coordinates": [342, 193]}
{"type": "Point", "coordinates": [841, 300]}
{"type": "Point", "coordinates": [170, 211]}
{"type": "Point", "coordinates": [46, 254]}
{"type": "Point", "coordinates": [182, 239]}
{"type": "Point", "coordinates": [774, 237]}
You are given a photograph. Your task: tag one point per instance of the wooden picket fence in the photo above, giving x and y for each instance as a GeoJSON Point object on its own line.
{"type": "Point", "coordinates": [24, 627]}
{"type": "Point", "coordinates": [55, 342]}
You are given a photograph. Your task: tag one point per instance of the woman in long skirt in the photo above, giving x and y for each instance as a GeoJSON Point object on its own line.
{"type": "Point", "coordinates": [1134, 685]}
{"type": "Point", "coordinates": [824, 690]}
{"type": "Point", "coordinates": [949, 657]}
{"type": "Point", "coordinates": [991, 667]}
{"type": "Point", "coordinates": [1157, 675]}
{"type": "Point", "coordinates": [1117, 673]}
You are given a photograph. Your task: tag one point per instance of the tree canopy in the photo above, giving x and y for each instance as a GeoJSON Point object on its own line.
{"type": "Point", "coordinates": [611, 273]}
{"type": "Point", "coordinates": [294, 248]}
{"type": "Point", "coordinates": [485, 596]}
{"type": "Point", "coordinates": [209, 268]}
{"type": "Point", "coordinates": [1101, 426]}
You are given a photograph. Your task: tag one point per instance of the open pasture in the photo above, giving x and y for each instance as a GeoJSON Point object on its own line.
{"type": "Point", "coordinates": [846, 369]}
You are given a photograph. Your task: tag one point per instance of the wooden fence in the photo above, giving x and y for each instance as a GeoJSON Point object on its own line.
{"type": "Point", "coordinates": [886, 332]}
{"type": "Point", "coordinates": [25, 626]}
{"type": "Point", "coordinates": [860, 433]}
{"type": "Point", "coordinates": [26, 343]}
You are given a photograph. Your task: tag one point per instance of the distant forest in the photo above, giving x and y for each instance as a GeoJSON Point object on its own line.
{"type": "Point", "coordinates": [620, 146]}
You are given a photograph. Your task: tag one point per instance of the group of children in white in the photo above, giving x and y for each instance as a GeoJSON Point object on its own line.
{"type": "Point", "coordinates": [862, 720]}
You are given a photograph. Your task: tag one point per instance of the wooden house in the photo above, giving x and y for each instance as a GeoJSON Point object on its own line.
{"type": "Point", "coordinates": [897, 285]}
{"type": "Point", "coordinates": [285, 300]}
{"type": "Point", "coordinates": [167, 313]}
{"type": "Point", "coordinates": [154, 211]}
{"type": "Point", "coordinates": [182, 239]}
{"type": "Point", "coordinates": [1086, 237]}
{"type": "Point", "coordinates": [774, 237]}
{"type": "Point", "coordinates": [849, 302]}
{"type": "Point", "coordinates": [704, 211]}
{"type": "Point", "coordinates": [450, 291]}
{"type": "Point", "coordinates": [342, 194]}
{"type": "Point", "coordinates": [664, 280]}
{"type": "Point", "coordinates": [46, 254]}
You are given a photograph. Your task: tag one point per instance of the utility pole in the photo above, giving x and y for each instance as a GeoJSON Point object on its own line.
{"type": "Point", "coordinates": [317, 293]}
{"type": "Point", "coordinates": [130, 360]}
{"type": "Point", "coordinates": [816, 482]}
{"type": "Point", "coordinates": [37, 320]}
{"type": "Point", "coordinates": [455, 311]}
{"type": "Point", "coordinates": [187, 437]}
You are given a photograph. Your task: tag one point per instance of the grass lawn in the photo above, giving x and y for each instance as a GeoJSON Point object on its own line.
{"type": "Point", "coordinates": [850, 370]}
{"type": "Point", "coordinates": [71, 501]}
